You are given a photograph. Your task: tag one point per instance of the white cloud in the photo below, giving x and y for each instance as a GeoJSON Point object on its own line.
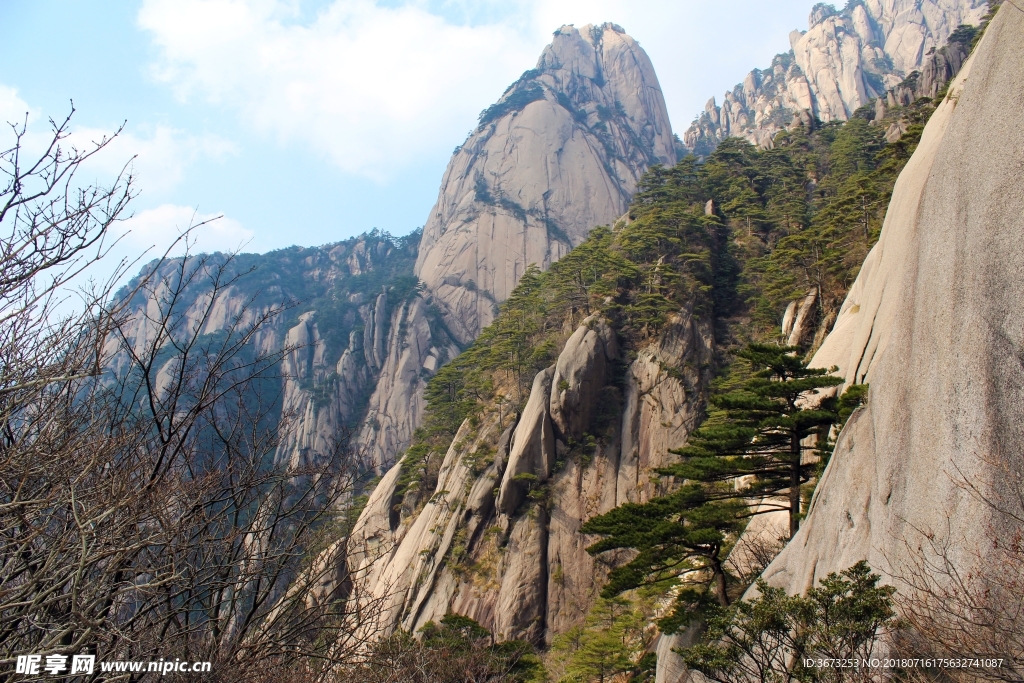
{"type": "Point", "coordinates": [13, 109]}
{"type": "Point", "coordinates": [158, 155]}
{"type": "Point", "coordinates": [371, 87]}
{"type": "Point", "coordinates": [157, 228]}
{"type": "Point", "coordinates": [375, 88]}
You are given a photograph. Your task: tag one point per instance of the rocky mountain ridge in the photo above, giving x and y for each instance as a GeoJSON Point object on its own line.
{"type": "Point", "coordinates": [841, 62]}
{"type": "Point", "coordinates": [354, 319]}
{"type": "Point", "coordinates": [482, 546]}
{"type": "Point", "coordinates": [558, 154]}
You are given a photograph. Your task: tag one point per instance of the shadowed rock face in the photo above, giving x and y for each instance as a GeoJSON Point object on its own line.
{"type": "Point", "coordinates": [933, 323]}
{"type": "Point", "coordinates": [841, 62]}
{"type": "Point", "coordinates": [559, 153]}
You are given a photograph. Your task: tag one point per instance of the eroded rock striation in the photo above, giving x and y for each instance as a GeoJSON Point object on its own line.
{"type": "Point", "coordinates": [841, 62]}
{"type": "Point", "coordinates": [559, 153]}
{"type": "Point", "coordinates": [498, 538]}
{"type": "Point", "coordinates": [933, 324]}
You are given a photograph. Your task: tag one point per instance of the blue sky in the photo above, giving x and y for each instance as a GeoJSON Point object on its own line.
{"type": "Point", "coordinates": [309, 122]}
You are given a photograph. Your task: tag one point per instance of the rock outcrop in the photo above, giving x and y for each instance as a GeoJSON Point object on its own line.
{"type": "Point", "coordinates": [559, 153]}
{"type": "Point", "coordinates": [844, 60]}
{"type": "Point", "coordinates": [498, 538]}
{"type": "Point", "coordinates": [933, 324]}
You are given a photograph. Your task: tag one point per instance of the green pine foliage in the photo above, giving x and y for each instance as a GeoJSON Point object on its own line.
{"type": "Point", "coordinates": [685, 532]}
{"type": "Point", "coordinates": [611, 643]}
{"type": "Point", "coordinates": [804, 214]}
{"type": "Point", "coordinates": [756, 436]}
{"type": "Point", "coordinates": [760, 431]}
{"type": "Point", "coordinates": [797, 217]}
{"type": "Point", "coordinates": [456, 650]}
{"type": "Point", "coordinates": [770, 637]}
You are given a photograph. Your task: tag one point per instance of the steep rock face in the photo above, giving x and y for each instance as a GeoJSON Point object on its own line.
{"type": "Point", "coordinates": [841, 62]}
{"type": "Point", "coordinates": [360, 343]}
{"type": "Point", "coordinates": [409, 356]}
{"type": "Point", "coordinates": [558, 154]}
{"type": "Point", "coordinates": [933, 324]}
{"type": "Point", "coordinates": [533, 447]}
{"type": "Point", "coordinates": [517, 563]}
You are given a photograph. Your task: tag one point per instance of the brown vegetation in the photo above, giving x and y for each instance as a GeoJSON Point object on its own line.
{"type": "Point", "coordinates": [144, 513]}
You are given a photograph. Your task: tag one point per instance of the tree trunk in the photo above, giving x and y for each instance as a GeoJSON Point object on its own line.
{"type": "Point", "coordinates": [723, 596]}
{"type": "Point", "coordinates": [794, 486]}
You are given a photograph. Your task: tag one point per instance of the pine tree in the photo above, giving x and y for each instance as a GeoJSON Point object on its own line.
{"type": "Point", "coordinates": [756, 437]}
{"type": "Point", "coordinates": [761, 430]}
{"type": "Point", "coordinates": [769, 637]}
{"type": "Point", "coordinates": [680, 532]}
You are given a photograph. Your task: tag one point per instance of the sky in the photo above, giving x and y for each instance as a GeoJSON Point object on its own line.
{"type": "Point", "coordinates": [310, 121]}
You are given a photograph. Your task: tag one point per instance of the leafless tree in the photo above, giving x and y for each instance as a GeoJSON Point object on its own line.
{"type": "Point", "coordinates": [964, 598]}
{"type": "Point", "coordinates": [144, 512]}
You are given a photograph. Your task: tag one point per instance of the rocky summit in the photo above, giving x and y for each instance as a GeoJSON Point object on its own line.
{"type": "Point", "coordinates": [559, 153]}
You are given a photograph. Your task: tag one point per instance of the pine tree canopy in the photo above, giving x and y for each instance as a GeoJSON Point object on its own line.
{"type": "Point", "coordinates": [673, 534]}
{"type": "Point", "coordinates": [760, 430]}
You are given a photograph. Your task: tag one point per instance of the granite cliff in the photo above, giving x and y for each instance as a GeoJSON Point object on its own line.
{"type": "Point", "coordinates": [924, 480]}
{"type": "Point", "coordinates": [931, 325]}
{"type": "Point", "coordinates": [558, 154]}
{"type": "Point", "coordinates": [841, 62]}
{"type": "Point", "coordinates": [484, 544]}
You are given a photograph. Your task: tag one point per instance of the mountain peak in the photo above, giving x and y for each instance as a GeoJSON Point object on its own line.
{"type": "Point", "coordinates": [559, 153]}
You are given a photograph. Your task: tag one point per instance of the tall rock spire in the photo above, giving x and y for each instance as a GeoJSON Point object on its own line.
{"type": "Point", "coordinates": [558, 154]}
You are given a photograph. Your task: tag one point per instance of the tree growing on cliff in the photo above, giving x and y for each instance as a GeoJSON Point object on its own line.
{"type": "Point", "coordinates": [759, 439]}
{"type": "Point", "coordinates": [683, 534]}
{"type": "Point", "coordinates": [752, 450]}
{"type": "Point", "coordinates": [613, 641]}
